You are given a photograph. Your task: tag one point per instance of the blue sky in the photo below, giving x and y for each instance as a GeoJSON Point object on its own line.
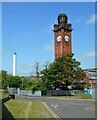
{"type": "Point", "coordinates": [27, 30]}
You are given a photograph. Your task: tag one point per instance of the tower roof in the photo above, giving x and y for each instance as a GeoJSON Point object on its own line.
{"type": "Point", "coordinates": [62, 15]}
{"type": "Point", "coordinates": [62, 18]}
{"type": "Point", "coordinates": [62, 23]}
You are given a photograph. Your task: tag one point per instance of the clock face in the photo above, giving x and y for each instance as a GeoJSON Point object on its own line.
{"type": "Point", "coordinates": [59, 38]}
{"type": "Point", "coordinates": [66, 38]}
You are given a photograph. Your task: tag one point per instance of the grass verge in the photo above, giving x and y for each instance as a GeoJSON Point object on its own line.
{"type": "Point", "coordinates": [3, 94]}
{"type": "Point", "coordinates": [83, 96]}
{"type": "Point", "coordinates": [77, 96]}
{"type": "Point", "coordinates": [25, 109]}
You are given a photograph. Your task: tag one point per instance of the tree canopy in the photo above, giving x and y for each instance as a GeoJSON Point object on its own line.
{"type": "Point", "coordinates": [62, 72]}
{"type": "Point", "coordinates": [3, 78]}
{"type": "Point", "coordinates": [57, 75]}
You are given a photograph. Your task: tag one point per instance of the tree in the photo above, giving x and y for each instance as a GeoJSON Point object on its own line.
{"type": "Point", "coordinates": [14, 81]}
{"type": "Point", "coordinates": [3, 78]}
{"type": "Point", "coordinates": [35, 84]}
{"type": "Point", "coordinates": [62, 72]}
{"type": "Point", "coordinates": [0, 80]}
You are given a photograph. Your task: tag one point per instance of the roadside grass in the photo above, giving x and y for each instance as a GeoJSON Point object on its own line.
{"type": "Point", "coordinates": [25, 109]}
{"type": "Point", "coordinates": [77, 96]}
{"type": "Point", "coordinates": [0, 94]}
{"type": "Point", "coordinates": [83, 96]}
{"type": "Point", "coordinates": [3, 94]}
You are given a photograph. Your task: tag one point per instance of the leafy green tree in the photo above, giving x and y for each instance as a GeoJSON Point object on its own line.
{"type": "Point", "coordinates": [4, 75]}
{"type": "Point", "coordinates": [3, 79]}
{"type": "Point", "coordinates": [14, 81]}
{"type": "Point", "coordinates": [35, 84]}
{"type": "Point", "coordinates": [25, 82]}
{"type": "Point", "coordinates": [62, 72]}
{"type": "Point", "coordinates": [29, 85]}
{"type": "Point", "coordinates": [0, 80]}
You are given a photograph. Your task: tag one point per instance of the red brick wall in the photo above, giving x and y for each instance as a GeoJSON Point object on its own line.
{"type": "Point", "coordinates": [62, 48]}
{"type": "Point", "coordinates": [86, 79]}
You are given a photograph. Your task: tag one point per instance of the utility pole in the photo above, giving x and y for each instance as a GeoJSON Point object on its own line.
{"type": "Point", "coordinates": [37, 69]}
{"type": "Point", "coordinates": [22, 83]}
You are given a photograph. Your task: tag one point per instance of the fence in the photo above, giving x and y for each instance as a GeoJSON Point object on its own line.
{"type": "Point", "coordinates": [29, 92]}
{"type": "Point", "coordinates": [94, 94]}
{"type": "Point", "coordinates": [5, 99]}
{"type": "Point", "coordinates": [13, 91]}
{"type": "Point", "coordinates": [62, 92]}
{"type": "Point", "coordinates": [51, 92]}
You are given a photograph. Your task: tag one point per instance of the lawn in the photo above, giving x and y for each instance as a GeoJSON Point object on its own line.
{"type": "Point", "coordinates": [25, 109]}
{"type": "Point", "coordinates": [3, 94]}
{"type": "Point", "coordinates": [83, 96]}
{"type": "Point", "coordinates": [80, 96]}
{"type": "Point", "coordinates": [77, 96]}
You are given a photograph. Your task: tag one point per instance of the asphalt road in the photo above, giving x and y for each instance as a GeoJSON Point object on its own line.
{"type": "Point", "coordinates": [67, 108]}
{"type": "Point", "coordinates": [72, 108]}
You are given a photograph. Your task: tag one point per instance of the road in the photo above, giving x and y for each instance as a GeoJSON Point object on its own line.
{"type": "Point", "coordinates": [72, 108]}
{"type": "Point", "coordinates": [67, 108]}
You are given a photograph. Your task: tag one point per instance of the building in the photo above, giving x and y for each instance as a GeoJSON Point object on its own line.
{"type": "Point", "coordinates": [91, 77]}
{"type": "Point", "coordinates": [62, 37]}
{"type": "Point", "coordinates": [63, 45]}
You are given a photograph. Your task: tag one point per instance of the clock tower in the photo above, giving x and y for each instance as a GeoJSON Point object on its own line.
{"type": "Point", "coordinates": [62, 37]}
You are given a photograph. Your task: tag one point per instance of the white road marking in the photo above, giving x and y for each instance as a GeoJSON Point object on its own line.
{"type": "Point", "coordinates": [52, 105]}
{"type": "Point", "coordinates": [55, 106]}
{"type": "Point", "coordinates": [48, 108]}
{"type": "Point", "coordinates": [27, 111]}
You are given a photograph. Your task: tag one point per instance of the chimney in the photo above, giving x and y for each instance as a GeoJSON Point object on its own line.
{"type": "Point", "coordinates": [14, 64]}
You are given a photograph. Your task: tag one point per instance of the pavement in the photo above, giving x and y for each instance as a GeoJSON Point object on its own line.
{"type": "Point", "coordinates": [0, 109]}
{"type": "Point", "coordinates": [65, 108]}
{"type": "Point", "coordinates": [2, 100]}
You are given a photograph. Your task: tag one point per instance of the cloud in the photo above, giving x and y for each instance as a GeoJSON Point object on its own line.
{"type": "Point", "coordinates": [92, 19]}
{"type": "Point", "coordinates": [48, 48]}
{"type": "Point", "coordinates": [0, 53]}
{"type": "Point", "coordinates": [80, 19]}
{"type": "Point", "coordinates": [48, 29]}
{"type": "Point", "coordinates": [87, 55]}
{"type": "Point", "coordinates": [91, 54]}
{"type": "Point", "coordinates": [28, 66]}
{"type": "Point", "coordinates": [20, 73]}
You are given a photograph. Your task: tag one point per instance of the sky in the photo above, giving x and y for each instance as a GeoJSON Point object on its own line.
{"type": "Point", "coordinates": [27, 30]}
{"type": "Point", "coordinates": [48, 0]}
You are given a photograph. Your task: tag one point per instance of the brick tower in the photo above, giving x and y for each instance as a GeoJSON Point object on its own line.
{"type": "Point", "coordinates": [62, 37]}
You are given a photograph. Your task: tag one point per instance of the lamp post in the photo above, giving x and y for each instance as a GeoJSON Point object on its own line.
{"type": "Point", "coordinates": [91, 88]}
